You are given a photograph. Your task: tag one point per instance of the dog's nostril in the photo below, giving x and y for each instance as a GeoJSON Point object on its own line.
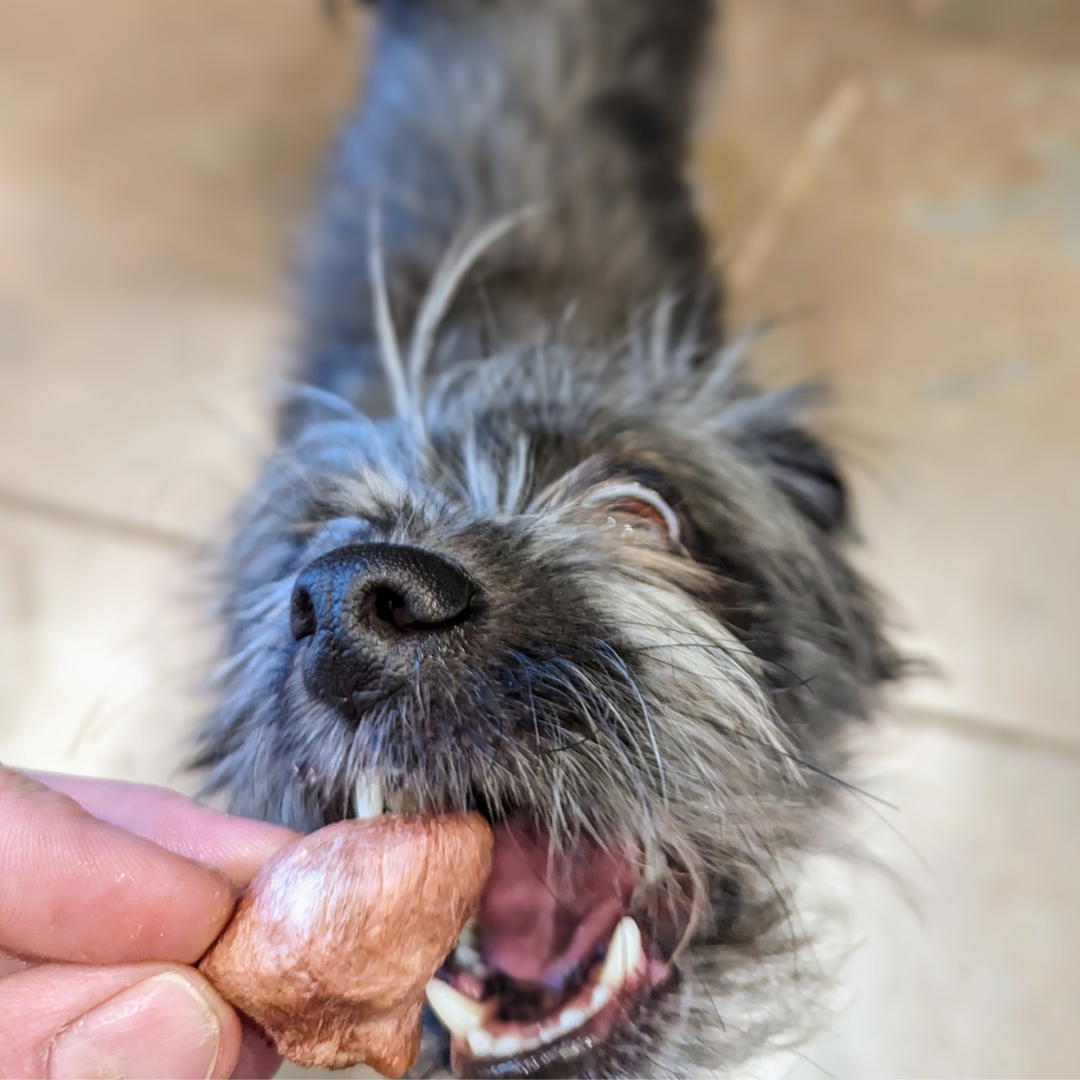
{"type": "Point", "coordinates": [303, 622]}
{"type": "Point", "coordinates": [392, 608]}
{"type": "Point", "coordinates": [405, 612]}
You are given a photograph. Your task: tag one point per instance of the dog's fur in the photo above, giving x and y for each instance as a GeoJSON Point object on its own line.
{"type": "Point", "coordinates": [508, 316]}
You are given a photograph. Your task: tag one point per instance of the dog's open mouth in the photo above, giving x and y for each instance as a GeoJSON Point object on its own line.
{"type": "Point", "coordinates": [566, 947]}
{"type": "Point", "coordinates": [555, 963]}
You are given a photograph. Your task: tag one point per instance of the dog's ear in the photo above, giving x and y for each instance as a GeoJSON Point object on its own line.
{"type": "Point", "coordinates": [807, 473]}
{"type": "Point", "coordinates": [798, 462]}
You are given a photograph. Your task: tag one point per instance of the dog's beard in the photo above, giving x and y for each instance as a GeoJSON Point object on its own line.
{"type": "Point", "coordinates": [647, 709]}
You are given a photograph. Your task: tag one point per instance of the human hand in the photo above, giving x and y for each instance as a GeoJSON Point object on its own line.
{"type": "Point", "coordinates": [109, 892]}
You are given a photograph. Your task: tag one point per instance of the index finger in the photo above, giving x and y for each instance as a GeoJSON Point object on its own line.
{"type": "Point", "coordinates": [237, 846]}
{"type": "Point", "coordinates": [78, 889]}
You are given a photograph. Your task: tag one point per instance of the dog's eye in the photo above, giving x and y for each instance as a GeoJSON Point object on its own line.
{"type": "Point", "coordinates": [632, 506]}
{"type": "Point", "coordinates": [639, 508]}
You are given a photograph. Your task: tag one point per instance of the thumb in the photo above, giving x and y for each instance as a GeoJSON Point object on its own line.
{"type": "Point", "coordinates": [136, 1020]}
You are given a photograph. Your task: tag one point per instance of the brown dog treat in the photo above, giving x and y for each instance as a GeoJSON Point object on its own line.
{"type": "Point", "coordinates": [332, 946]}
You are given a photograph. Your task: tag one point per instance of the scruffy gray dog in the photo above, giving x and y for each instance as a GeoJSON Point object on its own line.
{"type": "Point", "coordinates": [534, 545]}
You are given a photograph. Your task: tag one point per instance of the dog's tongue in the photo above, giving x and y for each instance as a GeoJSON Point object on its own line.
{"type": "Point", "coordinates": [542, 914]}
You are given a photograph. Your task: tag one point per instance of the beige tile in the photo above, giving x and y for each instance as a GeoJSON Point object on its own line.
{"type": "Point", "coordinates": [966, 941]}
{"type": "Point", "coordinates": [146, 410]}
{"type": "Point", "coordinates": [102, 645]}
{"type": "Point", "coordinates": [931, 273]}
{"type": "Point", "coordinates": [166, 143]}
{"type": "Point", "coordinates": [154, 163]}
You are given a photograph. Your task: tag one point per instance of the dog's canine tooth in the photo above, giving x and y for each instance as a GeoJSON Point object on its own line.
{"type": "Point", "coordinates": [468, 957]}
{"type": "Point", "coordinates": [624, 954]}
{"type": "Point", "coordinates": [470, 935]}
{"type": "Point", "coordinates": [368, 800]}
{"type": "Point", "coordinates": [460, 1015]}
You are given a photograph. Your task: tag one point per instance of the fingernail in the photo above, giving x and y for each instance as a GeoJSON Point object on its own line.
{"type": "Point", "coordinates": [160, 1028]}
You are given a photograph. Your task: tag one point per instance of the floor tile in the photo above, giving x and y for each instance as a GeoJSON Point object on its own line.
{"type": "Point", "coordinates": [153, 412]}
{"type": "Point", "coordinates": [102, 644]}
{"type": "Point", "coordinates": [172, 144]}
{"type": "Point", "coordinates": [154, 164]}
{"type": "Point", "coordinates": [929, 275]}
{"type": "Point", "coordinates": [965, 940]}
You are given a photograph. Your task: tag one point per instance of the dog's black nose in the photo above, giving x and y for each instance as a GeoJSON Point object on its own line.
{"type": "Point", "coordinates": [363, 603]}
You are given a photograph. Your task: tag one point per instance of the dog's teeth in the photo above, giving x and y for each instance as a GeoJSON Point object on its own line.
{"type": "Point", "coordinates": [466, 1018]}
{"type": "Point", "coordinates": [571, 1018]}
{"type": "Point", "coordinates": [507, 1046]}
{"type": "Point", "coordinates": [468, 957]}
{"type": "Point", "coordinates": [460, 1015]}
{"type": "Point", "coordinates": [550, 1034]}
{"type": "Point", "coordinates": [368, 799]}
{"type": "Point", "coordinates": [481, 1043]}
{"type": "Point", "coordinates": [470, 935]}
{"type": "Point", "coordinates": [623, 956]}
{"type": "Point", "coordinates": [402, 802]}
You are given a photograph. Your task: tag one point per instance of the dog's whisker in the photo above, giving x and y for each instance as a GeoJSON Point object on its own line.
{"type": "Point", "coordinates": [405, 402]}
{"type": "Point", "coordinates": [448, 277]}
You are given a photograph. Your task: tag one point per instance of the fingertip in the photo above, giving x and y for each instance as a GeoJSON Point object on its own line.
{"type": "Point", "coordinates": [78, 889]}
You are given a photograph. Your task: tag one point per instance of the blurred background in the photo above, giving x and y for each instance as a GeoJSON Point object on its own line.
{"type": "Point", "coordinates": [897, 180]}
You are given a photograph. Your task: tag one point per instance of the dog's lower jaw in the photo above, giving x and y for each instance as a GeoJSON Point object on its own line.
{"type": "Point", "coordinates": [567, 1031]}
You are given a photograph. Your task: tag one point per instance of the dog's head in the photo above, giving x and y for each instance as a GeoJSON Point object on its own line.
{"type": "Point", "coordinates": [599, 599]}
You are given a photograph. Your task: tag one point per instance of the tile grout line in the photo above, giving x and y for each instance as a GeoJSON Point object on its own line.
{"type": "Point", "coordinates": [993, 731]}
{"type": "Point", "coordinates": [90, 520]}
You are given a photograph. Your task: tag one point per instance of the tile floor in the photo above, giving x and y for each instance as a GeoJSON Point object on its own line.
{"type": "Point", "coordinates": [901, 178]}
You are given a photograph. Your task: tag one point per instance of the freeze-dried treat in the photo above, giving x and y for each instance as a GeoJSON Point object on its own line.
{"type": "Point", "coordinates": [332, 945]}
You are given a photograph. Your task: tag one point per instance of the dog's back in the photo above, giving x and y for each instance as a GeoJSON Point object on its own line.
{"type": "Point", "coordinates": [575, 112]}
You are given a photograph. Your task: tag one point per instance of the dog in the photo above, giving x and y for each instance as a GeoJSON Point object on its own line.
{"type": "Point", "coordinates": [534, 544]}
